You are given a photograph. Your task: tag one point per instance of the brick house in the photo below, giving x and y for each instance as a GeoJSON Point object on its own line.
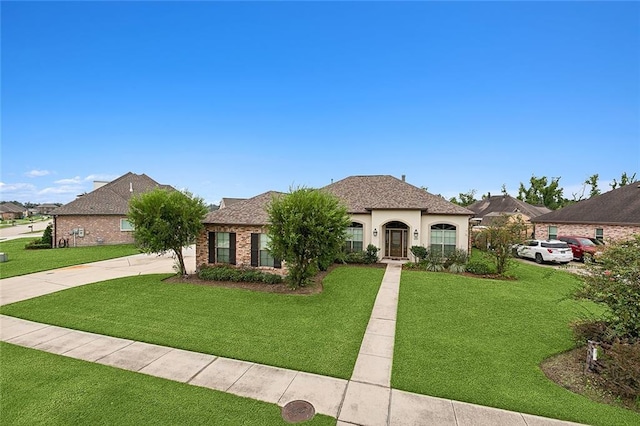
{"type": "Point", "coordinates": [614, 215]}
{"type": "Point", "coordinates": [11, 211]}
{"type": "Point", "coordinates": [100, 216]}
{"type": "Point", "coordinates": [385, 211]}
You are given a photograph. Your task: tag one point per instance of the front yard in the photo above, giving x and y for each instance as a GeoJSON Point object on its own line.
{"type": "Point", "coordinates": [318, 333]}
{"type": "Point", "coordinates": [482, 341]}
{"type": "Point", "coordinates": [39, 388]}
{"type": "Point", "coordinates": [23, 261]}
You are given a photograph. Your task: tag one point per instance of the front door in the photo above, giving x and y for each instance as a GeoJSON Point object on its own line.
{"type": "Point", "coordinates": [395, 242]}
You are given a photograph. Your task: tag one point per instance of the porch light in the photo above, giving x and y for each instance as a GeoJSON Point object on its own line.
{"type": "Point", "coordinates": [375, 232]}
{"type": "Point", "coordinates": [415, 234]}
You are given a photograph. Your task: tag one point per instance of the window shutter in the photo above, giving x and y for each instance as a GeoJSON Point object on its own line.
{"type": "Point", "coordinates": [232, 248]}
{"type": "Point", "coordinates": [212, 247]}
{"type": "Point", "coordinates": [277, 263]}
{"type": "Point", "coordinates": [255, 249]}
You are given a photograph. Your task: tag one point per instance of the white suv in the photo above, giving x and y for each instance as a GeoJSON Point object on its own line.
{"type": "Point", "coordinates": [546, 251]}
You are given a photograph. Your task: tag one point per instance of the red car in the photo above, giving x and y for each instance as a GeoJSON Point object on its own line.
{"type": "Point", "coordinates": [580, 246]}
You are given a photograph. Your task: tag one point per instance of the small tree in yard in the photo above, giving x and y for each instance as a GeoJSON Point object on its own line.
{"type": "Point", "coordinates": [166, 220]}
{"type": "Point", "coordinates": [614, 280]}
{"type": "Point", "coordinates": [306, 226]}
{"type": "Point", "coordinates": [501, 236]}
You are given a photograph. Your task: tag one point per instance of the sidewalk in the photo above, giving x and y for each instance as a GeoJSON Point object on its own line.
{"type": "Point", "coordinates": [366, 399]}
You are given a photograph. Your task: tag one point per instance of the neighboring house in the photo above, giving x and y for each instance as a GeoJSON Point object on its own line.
{"type": "Point", "coordinates": [614, 215]}
{"type": "Point", "coordinates": [46, 208]}
{"type": "Point", "coordinates": [491, 208]}
{"type": "Point", "coordinates": [11, 211]}
{"type": "Point", "coordinates": [385, 211]}
{"type": "Point", "coordinates": [100, 216]}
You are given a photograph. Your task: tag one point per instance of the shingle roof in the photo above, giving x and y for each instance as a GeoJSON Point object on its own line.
{"type": "Point", "coordinates": [11, 208]}
{"type": "Point", "coordinates": [498, 204]}
{"type": "Point", "coordinates": [365, 193]}
{"type": "Point", "coordinates": [620, 206]}
{"type": "Point", "coordinates": [251, 211]}
{"type": "Point", "coordinates": [112, 198]}
{"type": "Point", "coordinates": [226, 202]}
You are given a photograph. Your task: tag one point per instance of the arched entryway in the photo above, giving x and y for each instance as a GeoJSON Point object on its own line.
{"type": "Point", "coordinates": [396, 237]}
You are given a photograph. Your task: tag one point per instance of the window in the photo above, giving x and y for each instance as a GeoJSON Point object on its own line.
{"type": "Point", "coordinates": [553, 232]}
{"type": "Point", "coordinates": [222, 247]}
{"type": "Point", "coordinates": [260, 255]}
{"type": "Point", "coordinates": [265, 258]}
{"type": "Point", "coordinates": [354, 240]}
{"type": "Point", "coordinates": [443, 238]}
{"type": "Point", "coordinates": [125, 225]}
{"type": "Point", "coordinates": [599, 234]}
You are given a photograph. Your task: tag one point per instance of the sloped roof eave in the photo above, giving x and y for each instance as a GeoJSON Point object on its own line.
{"type": "Point", "coordinates": [585, 222]}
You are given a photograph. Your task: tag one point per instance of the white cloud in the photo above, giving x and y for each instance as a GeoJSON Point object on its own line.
{"type": "Point", "coordinates": [107, 178]}
{"type": "Point", "coordinates": [15, 187]}
{"type": "Point", "coordinates": [37, 173]}
{"type": "Point", "coordinates": [61, 190]}
{"type": "Point", "coordinates": [72, 181]}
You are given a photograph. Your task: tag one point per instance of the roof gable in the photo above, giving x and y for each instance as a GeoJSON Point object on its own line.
{"type": "Point", "coordinates": [112, 198]}
{"type": "Point", "coordinates": [251, 211]}
{"type": "Point", "coordinates": [507, 204]}
{"type": "Point", "coordinates": [620, 206]}
{"type": "Point", "coordinates": [362, 194]}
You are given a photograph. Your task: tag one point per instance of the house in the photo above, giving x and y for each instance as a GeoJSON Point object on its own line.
{"type": "Point", "coordinates": [491, 208]}
{"type": "Point", "coordinates": [100, 216]}
{"type": "Point", "coordinates": [12, 211]}
{"type": "Point", "coordinates": [614, 215]}
{"type": "Point", "coordinates": [46, 208]}
{"type": "Point", "coordinates": [387, 212]}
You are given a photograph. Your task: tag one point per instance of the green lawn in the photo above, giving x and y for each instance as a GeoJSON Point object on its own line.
{"type": "Point", "coordinates": [482, 341]}
{"type": "Point", "coordinates": [23, 261]}
{"type": "Point", "coordinates": [38, 388]}
{"type": "Point", "coordinates": [318, 333]}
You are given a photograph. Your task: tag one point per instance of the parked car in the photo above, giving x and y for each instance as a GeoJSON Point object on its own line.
{"type": "Point", "coordinates": [581, 246]}
{"type": "Point", "coordinates": [546, 251]}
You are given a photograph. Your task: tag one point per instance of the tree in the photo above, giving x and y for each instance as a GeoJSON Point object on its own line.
{"type": "Point", "coordinates": [305, 226]}
{"type": "Point", "coordinates": [614, 280]}
{"type": "Point", "coordinates": [541, 192]}
{"type": "Point", "coordinates": [592, 181]}
{"type": "Point", "coordinates": [165, 220]}
{"type": "Point", "coordinates": [465, 199]}
{"type": "Point", "coordinates": [503, 233]}
{"type": "Point", "coordinates": [624, 180]}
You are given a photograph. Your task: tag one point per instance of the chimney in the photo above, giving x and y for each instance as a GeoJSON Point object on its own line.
{"type": "Point", "coordinates": [404, 177]}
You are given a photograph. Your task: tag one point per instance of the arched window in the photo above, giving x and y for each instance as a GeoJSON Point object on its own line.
{"type": "Point", "coordinates": [443, 238]}
{"type": "Point", "coordinates": [354, 238]}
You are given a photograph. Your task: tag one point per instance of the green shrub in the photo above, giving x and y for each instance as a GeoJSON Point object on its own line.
{"type": "Point", "coordinates": [37, 245]}
{"type": "Point", "coordinates": [371, 255]}
{"type": "Point", "coordinates": [356, 257]}
{"type": "Point", "coordinates": [434, 261]}
{"type": "Point", "coordinates": [456, 261]}
{"type": "Point", "coordinates": [478, 267]}
{"type": "Point", "coordinates": [229, 273]}
{"type": "Point", "coordinates": [420, 252]}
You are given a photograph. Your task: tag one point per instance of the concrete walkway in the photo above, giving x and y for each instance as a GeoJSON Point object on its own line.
{"type": "Point", "coordinates": [366, 399]}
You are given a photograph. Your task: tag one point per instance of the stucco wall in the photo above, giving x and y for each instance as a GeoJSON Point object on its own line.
{"type": "Point", "coordinates": [97, 230]}
{"type": "Point", "coordinates": [460, 222]}
{"type": "Point", "coordinates": [610, 232]}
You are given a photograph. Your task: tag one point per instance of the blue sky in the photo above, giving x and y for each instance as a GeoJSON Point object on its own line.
{"type": "Point", "coordinates": [230, 99]}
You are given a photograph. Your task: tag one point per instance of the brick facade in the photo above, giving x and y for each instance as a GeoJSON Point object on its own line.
{"type": "Point", "coordinates": [98, 229]}
{"type": "Point", "coordinates": [243, 245]}
{"type": "Point", "coordinates": [610, 232]}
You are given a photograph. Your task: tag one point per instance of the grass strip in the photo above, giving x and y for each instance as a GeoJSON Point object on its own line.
{"type": "Point", "coordinates": [39, 388]}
